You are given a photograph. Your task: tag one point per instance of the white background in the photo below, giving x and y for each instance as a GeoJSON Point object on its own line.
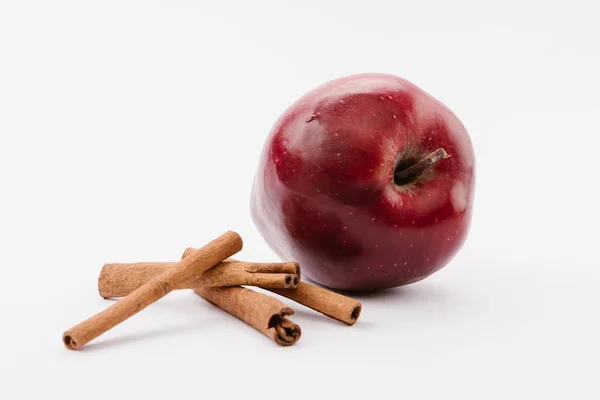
{"type": "Point", "coordinates": [131, 130]}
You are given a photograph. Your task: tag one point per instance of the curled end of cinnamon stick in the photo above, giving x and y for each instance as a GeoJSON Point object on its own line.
{"type": "Point", "coordinates": [354, 314]}
{"type": "Point", "coordinates": [291, 281]}
{"type": "Point", "coordinates": [69, 342]}
{"type": "Point", "coordinates": [287, 333]}
{"type": "Point", "coordinates": [298, 276]}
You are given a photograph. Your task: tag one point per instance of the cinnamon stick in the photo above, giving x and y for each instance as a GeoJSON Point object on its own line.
{"type": "Point", "coordinates": [264, 313]}
{"type": "Point", "coordinates": [332, 304]}
{"type": "Point", "coordinates": [199, 261]}
{"type": "Point", "coordinates": [117, 280]}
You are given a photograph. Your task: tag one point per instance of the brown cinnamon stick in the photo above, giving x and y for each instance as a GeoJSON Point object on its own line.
{"type": "Point", "coordinates": [117, 280]}
{"type": "Point", "coordinates": [332, 304]}
{"type": "Point", "coordinates": [264, 313]}
{"type": "Point", "coordinates": [199, 261]}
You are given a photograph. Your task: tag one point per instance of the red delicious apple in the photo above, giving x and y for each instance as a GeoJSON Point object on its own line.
{"type": "Point", "coordinates": [368, 182]}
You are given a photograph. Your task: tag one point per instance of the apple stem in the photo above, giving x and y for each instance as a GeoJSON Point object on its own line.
{"type": "Point", "coordinates": [407, 174]}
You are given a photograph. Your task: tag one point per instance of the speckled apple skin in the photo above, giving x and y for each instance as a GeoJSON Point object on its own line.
{"type": "Point", "coordinates": [324, 193]}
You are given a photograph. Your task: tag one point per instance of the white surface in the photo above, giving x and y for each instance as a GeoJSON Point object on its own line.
{"type": "Point", "coordinates": [130, 130]}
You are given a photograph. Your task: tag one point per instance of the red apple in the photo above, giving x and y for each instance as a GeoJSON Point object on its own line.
{"type": "Point", "coordinates": [368, 182]}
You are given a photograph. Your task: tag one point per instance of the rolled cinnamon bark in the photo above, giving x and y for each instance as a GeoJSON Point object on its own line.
{"type": "Point", "coordinates": [332, 304]}
{"type": "Point", "coordinates": [199, 261]}
{"type": "Point", "coordinates": [117, 280]}
{"type": "Point", "coordinates": [264, 313]}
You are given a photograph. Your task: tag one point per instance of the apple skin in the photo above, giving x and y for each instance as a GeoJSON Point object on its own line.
{"type": "Point", "coordinates": [324, 192]}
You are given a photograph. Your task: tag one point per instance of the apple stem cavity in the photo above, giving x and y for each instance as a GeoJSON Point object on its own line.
{"type": "Point", "coordinates": [404, 175]}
